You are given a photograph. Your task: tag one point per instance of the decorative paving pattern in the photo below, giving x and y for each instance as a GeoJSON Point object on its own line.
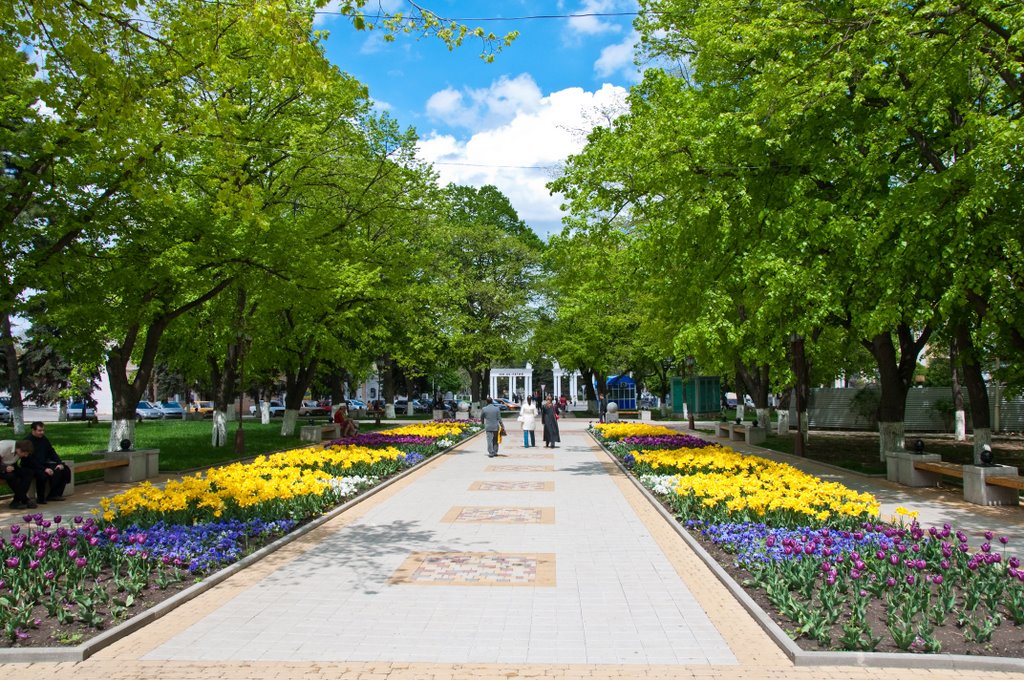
{"type": "Point", "coordinates": [477, 569]}
{"type": "Point", "coordinates": [519, 468]}
{"type": "Point", "coordinates": [512, 486]}
{"type": "Point", "coordinates": [499, 515]}
{"type": "Point", "coordinates": [532, 456]}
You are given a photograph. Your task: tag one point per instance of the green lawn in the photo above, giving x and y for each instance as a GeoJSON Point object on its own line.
{"type": "Point", "coordinates": [184, 445]}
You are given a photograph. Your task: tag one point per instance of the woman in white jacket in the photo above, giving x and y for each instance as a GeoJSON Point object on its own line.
{"type": "Point", "coordinates": [528, 417]}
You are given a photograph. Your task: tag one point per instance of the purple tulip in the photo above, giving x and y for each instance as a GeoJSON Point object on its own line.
{"type": "Point", "coordinates": [988, 535]}
{"type": "Point", "coordinates": [57, 519]}
{"type": "Point", "coordinates": [93, 541]}
{"type": "Point", "coordinates": [73, 553]}
{"type": "Point", "coordinates": [27, 519]}
{"type": "Point", "coordinates": [880, 555]}
{"type": "Point", "coordinates": [1004, 540]}
{"type": "Point", "coordinates": [985, 547]}
{"type": "Point", "coordinates": [49, 574]}
{"type": "Point", "coordinates": [33, 564]}
{"type": "Point", "coordinates": [947, 549]}
{"type": "Point", "coordinates": [1014, 562]}
{"type": "Point", "coordinates": [890, 582]}
{"type": "Point", "coordinates": [41, 553]}
{"type": "Point", "coordinates": [81, 562]}
{"type": "Point", "coordinates": [911, 579]}
{"type": "Point", "coordinates": [964, 548]}
{"type": "Point", "coordinates": [894, 560]}
{"type": "Point", "coordinates": [77, 519]}
{"type": "Point", "coordinates": [944, 564]}
{"type": "Point", "coordinates": [15, 528]}
{"type": "Point", "coordinates": [12, 562]}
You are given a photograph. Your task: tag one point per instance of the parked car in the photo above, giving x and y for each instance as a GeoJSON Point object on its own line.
{"type": "Point", "coordinates": [145, 410]}
{"type": "Point", "coordinates": [401, 405]}
{"type": "Point", "coordinates": [422, 406]}
{"type": "Point", "coordinates": [509, 404]}
{"type": "Point", "coordinates": [310, 407]}
{"type": "Point", "coordinates": [276, 408]}
{"type": "Point", "coordinates": [171, 409]}
{"type": "Point", "coordinates": [5, 414]}
{"type": "Point", "coordinates": [356, 403]}
{"type": "Point", "coordinates": [75, 409]}
{"type": "Point", "coordinates": [204, 408]}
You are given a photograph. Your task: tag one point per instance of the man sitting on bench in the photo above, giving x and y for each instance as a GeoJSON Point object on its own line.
{"type": "Point", "coordinates": [16, 472]}
{"type": "Point", "coordinates": [47, 466]}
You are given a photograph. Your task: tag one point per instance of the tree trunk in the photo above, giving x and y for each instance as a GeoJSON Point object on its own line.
{"type": "Point", "coordinates": [891, 436]}
{"type": "Point", "coordinates": [475, 380]}
{"type": "Point", "coordinates": [783, 425]}
{"type": "Point", "coordinates": [222, 377]}
{"type": "Point", "coordinates": [976, 388]}
{"type": "Point", "coordinates": [588, 385]}
{"type": "Point", "coordinates": [121, 429]}
{"type": "Point", "coordinates": [895, 377]}
{"type": "Point", "coordinates": [802, 371]}
{"type": "Point", "coordinates": [288, 423]}
{"type": "Point", "coordinates": [764, 416]}
{"type": "Point", "coordinates": [13, 374]}
{"type": "Point", "coordinates": [960, 415]}
{"type": "Point", "coordinates": [219, 437]}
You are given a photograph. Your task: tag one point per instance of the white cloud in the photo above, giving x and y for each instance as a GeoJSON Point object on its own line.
{"type": "Point", "coordinates": [595, 25]}
{"type": "Point", "coordinates": [486, 107]}
{"type": "Point", "coordinates": [522, 154]}
{"type": "Point", "coordinates": [618, 58]}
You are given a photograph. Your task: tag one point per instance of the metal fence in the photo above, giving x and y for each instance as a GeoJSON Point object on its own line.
{"type": "Point", "coordinates": [832, 408]}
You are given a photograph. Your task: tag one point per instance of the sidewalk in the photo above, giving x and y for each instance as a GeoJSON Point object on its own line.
{"type": "Point", "coordinates": [540, 563]}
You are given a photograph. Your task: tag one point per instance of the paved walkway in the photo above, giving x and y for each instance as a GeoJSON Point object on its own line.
{"type": "Point", "coordinates": [538, 563]}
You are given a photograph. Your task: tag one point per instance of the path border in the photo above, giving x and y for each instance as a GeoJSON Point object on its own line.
{"type": "Point", "coordinates": [86, 649]}
{"type": "Point", "coordinates": [801, 657]}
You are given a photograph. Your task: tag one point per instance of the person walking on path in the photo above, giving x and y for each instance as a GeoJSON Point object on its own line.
{"type": "Point", "coordinates": [528, 417]}
{"type": "Point", "coordinates": [549, 417]}
{"type": "Point", "coordinates": [490, 416]}
{"type": "Point", "coordinates": [48, 467]}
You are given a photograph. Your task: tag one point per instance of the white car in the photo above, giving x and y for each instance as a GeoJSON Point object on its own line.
{"type": "Point", "coordinates": [276, 409]}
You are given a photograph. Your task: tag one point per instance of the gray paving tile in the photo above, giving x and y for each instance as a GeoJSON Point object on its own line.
{"type": "Point", "coordinates": [617, 599]}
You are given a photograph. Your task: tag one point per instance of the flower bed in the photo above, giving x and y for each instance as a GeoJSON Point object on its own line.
{"type": "Point", "coordinates": [62, 580]}
{"type": "Point", "coordinates": [817, 556]}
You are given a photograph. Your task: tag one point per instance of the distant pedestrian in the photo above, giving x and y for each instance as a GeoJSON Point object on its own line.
{"type": "Point", "coordinates": [528, 417]}
{"type": "Point", "coordinates": [490, 416]}
{"type": "Point", "coordinates": [602, 406]}
{"type": "Point", "coordinates": [549, 417]}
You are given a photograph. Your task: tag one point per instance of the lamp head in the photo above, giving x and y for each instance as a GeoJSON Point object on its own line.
{"type": "Point", "coordinates": [919, 446]}
{"type": "Point", "coordinates": [986, 455]}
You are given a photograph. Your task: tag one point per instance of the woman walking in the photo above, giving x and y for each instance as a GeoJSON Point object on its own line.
{"type": "Point", "coordinates": [549, 416]}
{"type": "Point", "coordinates": [528, 417]}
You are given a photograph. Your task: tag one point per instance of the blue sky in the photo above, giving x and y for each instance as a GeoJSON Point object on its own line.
{"type": "Point", "coordinates": [510, 122]}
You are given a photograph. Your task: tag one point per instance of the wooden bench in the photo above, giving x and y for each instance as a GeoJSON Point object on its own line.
{"type": "Point", "coordinates": [119, 467]}
{"type": "Point", "coordinates": [941, 468]}
{"type": "Point", "coordinates": [722, 429]}
{"type": "Point", "coordinates": [983, 485]}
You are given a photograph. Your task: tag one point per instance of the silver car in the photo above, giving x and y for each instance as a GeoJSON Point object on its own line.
{"type": "Point", "coordinates": [171, 409]}
{"type": "Point", "coordinates": [145, 410]}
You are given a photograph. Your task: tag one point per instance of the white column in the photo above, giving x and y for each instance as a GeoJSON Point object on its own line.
{"type": "Point", "coordinates": [529, 385]}
{"type": "Point", "coordinates": [492, 392]}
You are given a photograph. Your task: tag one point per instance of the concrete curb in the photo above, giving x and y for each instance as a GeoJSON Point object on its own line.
{"type": "Point", "coordinates": [86, 649]}
{"type": "Point", "coordinates": [803, 658]}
